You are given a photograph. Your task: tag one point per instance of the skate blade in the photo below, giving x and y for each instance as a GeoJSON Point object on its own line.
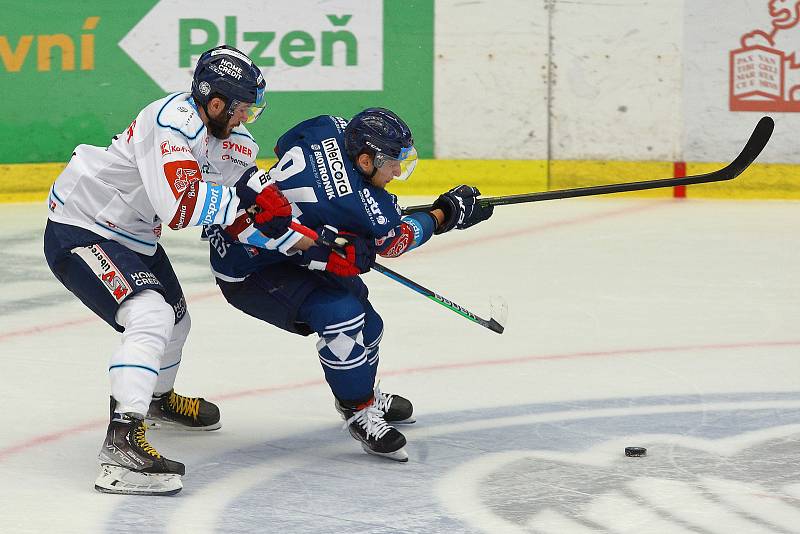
{"type": "Point", "coordinates": [411, 420]}
{"type": "Point", "coordinates": [122, 481]}
{"type": "Point", "coordinates": [400, 455]}
{"type": "Point", "coordinates": [166, 424]}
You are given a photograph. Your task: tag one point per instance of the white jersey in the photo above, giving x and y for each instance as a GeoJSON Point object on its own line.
{"type": "Point", "coordinates": [164, 167]}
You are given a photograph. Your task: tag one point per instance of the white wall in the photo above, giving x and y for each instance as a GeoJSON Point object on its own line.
{"type": "Point", "coordinates": [711, 128]}
{"type": "Point", "coordinates": [630, 80]}
{"type": "Point", "coordinates": [617, 80]}
{"type": "Point", "coordinates": [490, 79]}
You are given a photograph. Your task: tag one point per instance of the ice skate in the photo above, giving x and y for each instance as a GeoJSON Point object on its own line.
{"type": "Point", "coordinates": [396, 410]}
{"type": "Point", "coordinates": [189, 413]}
{"type": "Point", "coordinates": [366, 423]}
{"type": "Point", "coordinates": [129, 465]}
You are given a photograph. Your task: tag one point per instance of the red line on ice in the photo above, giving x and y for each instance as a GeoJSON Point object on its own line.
{"type": "Point", "coordinates": [446, 246]}
{"type": "Point", "coordinates": [99, 424]}
{"type": "Point", "coordinates": [38, 329]}
{"type": "Point", "coordinates": [48, 438]}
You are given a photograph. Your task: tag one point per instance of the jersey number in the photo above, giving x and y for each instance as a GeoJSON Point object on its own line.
{"type": "Point", "coordinates": [293, 162]}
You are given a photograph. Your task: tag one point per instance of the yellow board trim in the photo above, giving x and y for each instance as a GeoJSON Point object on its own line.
{"type": "Point", "coordinates": [30, 182]}
{"type": "Point", "coordinates": [27, 182]}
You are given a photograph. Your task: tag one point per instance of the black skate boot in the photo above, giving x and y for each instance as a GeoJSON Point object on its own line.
{"type": "Point", "coordinates": [366, 423]}
{"type": "Point", "coordinates": [129, 465]}
{"type": "Point", "coordinates": [188, 413]}
{"type": "Point", "coordinates": [396, 410]}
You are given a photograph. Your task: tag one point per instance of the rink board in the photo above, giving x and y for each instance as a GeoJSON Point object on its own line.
{"type": "Point", "coordinates": [29, 182]}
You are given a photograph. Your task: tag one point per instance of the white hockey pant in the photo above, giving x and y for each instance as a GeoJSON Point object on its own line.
{"type": "Point", "coordinates": [151, 340]}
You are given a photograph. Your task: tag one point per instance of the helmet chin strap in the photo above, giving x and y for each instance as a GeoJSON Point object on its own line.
{"type": "Point", "coordinates": [371, 175]}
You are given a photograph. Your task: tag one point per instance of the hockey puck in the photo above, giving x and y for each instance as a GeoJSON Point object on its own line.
{"type": "Point", "coordinates": [635, 451]}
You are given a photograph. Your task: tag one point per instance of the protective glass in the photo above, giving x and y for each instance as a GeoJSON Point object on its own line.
{"type": "Point", "coordinates": [254, 111]}
{"type": "Point", "coordinates": [406, 161]}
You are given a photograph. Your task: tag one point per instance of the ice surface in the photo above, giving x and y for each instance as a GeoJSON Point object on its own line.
{"type": "Point", "coordinates": [665, 324]}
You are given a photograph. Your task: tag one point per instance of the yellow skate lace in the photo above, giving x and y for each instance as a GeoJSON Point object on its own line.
{"type": "Point", "coordinates": [141, 440]}
{"type": "Point", "coordinates": [184, 405]}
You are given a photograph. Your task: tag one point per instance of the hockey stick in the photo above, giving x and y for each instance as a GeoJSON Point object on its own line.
{"type": "Point", "coordinates": [499, 309]}
{"type": "Point", "coordinates": [758, 140]}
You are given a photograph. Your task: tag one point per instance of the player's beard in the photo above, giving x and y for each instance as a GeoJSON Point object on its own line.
{"type": "Point", "coordinates": [218, 126]}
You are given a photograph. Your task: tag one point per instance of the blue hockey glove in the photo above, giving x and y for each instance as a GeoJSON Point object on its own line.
{"type": "Point", "coordinates": [349, 255]}
{"type": "Point", "coordinates": [461, 209]}
{"type": "Point", "coordinates": [247, 193]}
{"type": "Point", "coordinates": [269, 209]}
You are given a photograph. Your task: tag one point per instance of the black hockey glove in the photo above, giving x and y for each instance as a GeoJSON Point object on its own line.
{"type": "Point", "coordinates": [461, 209]}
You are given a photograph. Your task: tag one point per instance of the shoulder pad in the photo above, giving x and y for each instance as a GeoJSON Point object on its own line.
{"type": "Point", "coordinates": [379, 208]}
{"type": "Point", "coordinates": [339, 122]}
{"type": "Point", "coordinates": [241, 133]}
{"type": "Point", "coordinates": [178, 114]}
{"type": "Point", "coordinates": [242, 142]}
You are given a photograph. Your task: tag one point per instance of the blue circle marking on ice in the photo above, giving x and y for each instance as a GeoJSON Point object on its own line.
{"type": "Point", "coordinates": [504, 469]}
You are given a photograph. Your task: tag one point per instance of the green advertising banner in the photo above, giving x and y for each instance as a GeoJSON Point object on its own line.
{"type": "Point", "coordinates": [79, 72]}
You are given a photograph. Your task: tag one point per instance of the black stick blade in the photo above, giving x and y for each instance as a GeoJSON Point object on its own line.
{"type": "Point", "coordinates": [758, 140]}
{"type": "Point", "coordinates": [498, 315]}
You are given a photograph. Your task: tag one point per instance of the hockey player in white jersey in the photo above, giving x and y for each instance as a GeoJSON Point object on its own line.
{"type": "Point", "coordinates": [101, 241]}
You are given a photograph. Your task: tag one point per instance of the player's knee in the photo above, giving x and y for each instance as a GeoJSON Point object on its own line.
{"type": "Point", "coordinates": [181, 330]}
{"type": "Point", "coordinates": [148, 319]}
{"type": "Point", "coordinates": [344, 313]}
{"type": "Point", "coordinates": [341, 342]}
{"type": "Point", "coordinates": [373, 328]}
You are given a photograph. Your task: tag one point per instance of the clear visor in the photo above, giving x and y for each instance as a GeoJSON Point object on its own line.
{"type": "Point", "coordinates": [402, 166]}
{"type": "Point", "coordinates": [253, 110]}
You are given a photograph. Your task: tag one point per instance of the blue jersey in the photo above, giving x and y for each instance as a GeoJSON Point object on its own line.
{"type": "Point", "coordinates": [324, 187]}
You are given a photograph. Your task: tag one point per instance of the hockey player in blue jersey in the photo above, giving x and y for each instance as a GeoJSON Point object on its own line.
{"type": "Point", "coordinates": [335, 174]}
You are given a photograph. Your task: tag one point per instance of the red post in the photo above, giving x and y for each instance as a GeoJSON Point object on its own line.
{"type": "Point", "coordinates": [679, 171]}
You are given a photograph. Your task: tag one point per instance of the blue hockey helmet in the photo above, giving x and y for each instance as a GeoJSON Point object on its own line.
{"type": "Point", "coordinates": [227, 72]}
{"type": "Point", "coordinates": [384, 136]}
